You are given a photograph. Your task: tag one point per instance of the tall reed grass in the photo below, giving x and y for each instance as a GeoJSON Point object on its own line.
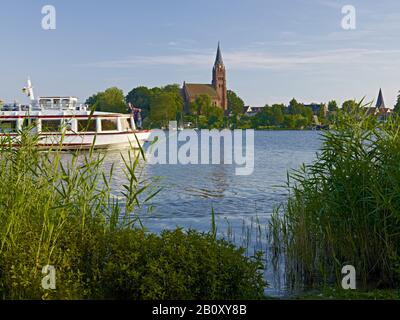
{"type": "Point", "coordinates": [65, 213]}
{"type": "Point", "coordinates": [344, 208]}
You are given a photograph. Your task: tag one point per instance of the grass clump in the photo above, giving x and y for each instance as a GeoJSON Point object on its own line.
{"type": "Point", "coordinates": [344, 208]}
{"type": "Point", "coordinates": [62, 211]}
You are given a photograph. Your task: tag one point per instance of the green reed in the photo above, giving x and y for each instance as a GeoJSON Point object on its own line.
{"type": "Point", "coordinates": [47, 203]}
{"type": "Point", "coordinates": [64, 211]}
{"type": "Point", "coordinates": [344, 208]}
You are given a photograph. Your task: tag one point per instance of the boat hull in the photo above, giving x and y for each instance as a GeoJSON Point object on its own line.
{"type": "Point", "coordinates": [69, 141]}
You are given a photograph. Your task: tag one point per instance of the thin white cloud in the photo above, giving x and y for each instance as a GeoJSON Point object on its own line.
{"type": "Point", "coordinates": [247, 59]}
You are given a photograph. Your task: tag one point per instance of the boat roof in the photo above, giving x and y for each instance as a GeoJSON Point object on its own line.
{"type": "Point", "coordinates": [59, 97]}
{"type": "Point", "coordinates": [61, 113]}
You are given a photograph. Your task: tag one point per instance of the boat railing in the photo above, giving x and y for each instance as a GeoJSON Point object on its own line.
{"type": "Point", "coordinates": [45, 106]}
{"type": "Point", "coordinates": [61, 106]}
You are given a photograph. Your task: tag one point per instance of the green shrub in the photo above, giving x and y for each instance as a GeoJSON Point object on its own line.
{"type": "Point", "coordinates": [344, 208]}
{"type": "Point", "coordinates": [177, 265]}
{"type": "Point", "coordinates": [63, 213]}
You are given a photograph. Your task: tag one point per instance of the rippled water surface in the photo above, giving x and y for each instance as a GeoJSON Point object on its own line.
{"type": "Point", "coordinates": [242, 204]}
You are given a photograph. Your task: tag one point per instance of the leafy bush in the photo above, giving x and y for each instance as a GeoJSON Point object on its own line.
{"type": "Point", "coordinates": [177, 265]}
{"type": "Point", "coordinates": [63, 213]}
{"type": "Point", "coordinates": [344, 209]}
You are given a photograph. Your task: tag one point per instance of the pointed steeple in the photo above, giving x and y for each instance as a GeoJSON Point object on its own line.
{"type": "Point", "coordinates": [380, 103]}
{"type": "Point", "coordinates": [218, 59]}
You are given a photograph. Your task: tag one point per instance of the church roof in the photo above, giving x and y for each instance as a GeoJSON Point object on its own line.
{"type": "Point", "coordinates": [218, 59]}
{"type": "Point", "coordinates": [196, 89]}
{"type": "Point", "coordinates": [380, 103]}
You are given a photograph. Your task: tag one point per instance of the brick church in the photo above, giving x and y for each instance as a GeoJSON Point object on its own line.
{"type": "Point", "coordinates": [217, 90]}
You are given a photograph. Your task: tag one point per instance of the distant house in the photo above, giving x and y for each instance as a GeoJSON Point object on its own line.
{"type": "Point", "coordinates": [380, 110]}
{"type": "Point", "coordinates": [251, 111]}
{"type": "Point", "coordinates": [316, 107]}
{"type": "Point", "coordinates": [217, 90]}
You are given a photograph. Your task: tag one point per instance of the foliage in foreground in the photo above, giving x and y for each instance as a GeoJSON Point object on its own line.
{"type": "Point", "coordinates": [344, 208]}
{"type": "Point", "coordinates": [65, 213]}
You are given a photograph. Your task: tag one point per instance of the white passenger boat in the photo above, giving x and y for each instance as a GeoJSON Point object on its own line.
{"type": "Point", "coordinates": [63, 121]}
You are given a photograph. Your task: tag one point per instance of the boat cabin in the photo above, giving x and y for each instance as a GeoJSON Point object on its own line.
{"type": "Point", "coordinates": [61, 119]}
{"type": "Point", "coordinates": [70, 103]}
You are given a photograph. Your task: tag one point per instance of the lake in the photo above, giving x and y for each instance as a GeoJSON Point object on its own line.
{"type": "Point", "coordinates": [242, 204]}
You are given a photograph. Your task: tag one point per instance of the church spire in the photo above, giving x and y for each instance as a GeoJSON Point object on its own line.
{"type": "Point", "coordinates": [380, 103]}
{"type": "Point", "coordinates": [219, 80]}
{"type": "Point", "coordinates": [218, 59]}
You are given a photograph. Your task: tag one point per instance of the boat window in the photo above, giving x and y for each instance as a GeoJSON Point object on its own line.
{"type": "Point", "coordinates": [109, 124]}
{"type": "Point", "coordinates": [87, 125]}
{"type": "Point", "coordinates": [8, 126]}
{"type": "Point", "coordinates": [126, 124]}
{"type": "Point", "coordinates": [51, 125]}
{"type": "Point", "coordinates": [46, 103]}
{"type": "Point", "coordinates": [29, 122]}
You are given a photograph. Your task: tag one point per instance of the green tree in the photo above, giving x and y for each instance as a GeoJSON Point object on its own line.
{"type": "Point", "coordinates": [332, 106]}
{"type": "Point", "coordinates": [306, 113]}
{"type": "Point", "coordinates": [92, 100]}
{"type": "Point", "coordinates": [321, 114]}
{"type": "Point", "coordinates": [397, 105]}
{"type": "Point", "coordinates": [235, 103]}
{"type": "Point", "coordinates": [175, 91]}
{"type": "Point", "coordinates": [140, 97]}
{"type": "Point", "coordinates": [263, 118]}
{"type": "Point", "coordinates": [245, 122]}
{"type": "Point", "coordinates": [215, 117]}
{"type": "Point", "coordinates": [349, 106]}
{"type": "Point", "coordinates": [278, 116]}
{"type": "Point", "coordinates": [290, 121]}
{"type": "Point", "coordinates": [300, 121]}
{"type": "Point", "coordinates": [270, 116]}
{"type": "Point", "coordinates": [295, 107]}
{"type": "Point", "coordinates": [111, 100]}
{"type": "Point", "coordinates": [201, 105]}
{"type": "Point", "coordinates": [174, 88]}
{"type": "Point", "coordinates": [164, 108]}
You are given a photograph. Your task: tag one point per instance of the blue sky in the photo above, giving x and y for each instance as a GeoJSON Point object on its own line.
{"type": "Point", "coordinates": [273, 50]}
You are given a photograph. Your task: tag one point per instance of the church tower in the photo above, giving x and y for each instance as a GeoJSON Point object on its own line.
{"type": "Point", "coordinates": [219, 80]}
{"type": "Point", "coordinates": [380, 103]}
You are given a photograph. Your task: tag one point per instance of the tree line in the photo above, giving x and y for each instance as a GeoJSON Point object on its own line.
{"type": "Point", "coordinates": [160, 105]}
{"type": "Point", "coordinates": [294, 116]}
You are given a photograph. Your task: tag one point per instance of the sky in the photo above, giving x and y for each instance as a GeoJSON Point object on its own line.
{"type": "Point", "coordinates": [273, 50]}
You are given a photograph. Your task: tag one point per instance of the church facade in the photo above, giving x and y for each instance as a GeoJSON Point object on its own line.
{"type": "Point", "coordinates": [217, 90]}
